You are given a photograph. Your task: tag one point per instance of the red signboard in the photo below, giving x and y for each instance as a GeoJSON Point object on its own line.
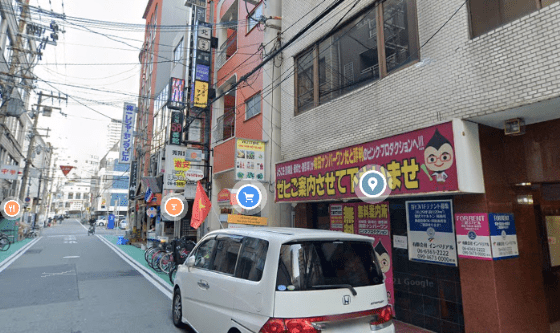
{"type": "Point", "coordinates": [66, 169]}
{"type": "Point", "coordinates": [422, 161]}
{"type": "Point", "coordinates": [371, 220]}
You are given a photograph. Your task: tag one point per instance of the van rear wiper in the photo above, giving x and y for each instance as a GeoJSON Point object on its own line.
{"type": "Point", "coordinates": [335, 286]}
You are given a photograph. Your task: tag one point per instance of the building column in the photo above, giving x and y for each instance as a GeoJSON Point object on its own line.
{"type": "Point", "coordinates": [503, 295]}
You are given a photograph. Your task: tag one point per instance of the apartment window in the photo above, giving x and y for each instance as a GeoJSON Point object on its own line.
{"type": "Point", "coordinates": [253, 106]}
{"type": "Point", "coordinates": [178, 52]}
{"type": "Point", "coordinates": [253, 18]}
{"type": "Point", "coordinates": [70, 195]}
{"type": "Point", "coordinates": [67, 205]}
{"type": "Point", "coordinates": [488, 15]}
{"type": "Point", "coordinates": [78, 196]}
{"type": "Point", "coordinates": [355, 54]}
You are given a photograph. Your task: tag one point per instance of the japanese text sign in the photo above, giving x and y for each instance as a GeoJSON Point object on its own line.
{"type": "Point", "coordinates": [199, 95]}
{"type": "Point", "coordinates": [125, 150]}
{"type": "Point", "coordinates": [431, 232]}
{"type": "Point", "coordinates": [371, 220]}
{"type": "Point", "coordinates": [503, 236]}
{"type": "Point", "coordinates": [473, 236]}
{"type": "Point", "coordinates": [178, 162]}
{"type": "Point", "coordinates": [249, 160]}
{"type": "Point", "coordinates": [175, 99]}
{"type": "Point", "coordinates": [422, 161]}
{"type": "Point", "coordinates": [176, 129]}
{"type": "Point", "coordinates": [133, 181]}
{"type": "Point", "coordinates": [9, 172]}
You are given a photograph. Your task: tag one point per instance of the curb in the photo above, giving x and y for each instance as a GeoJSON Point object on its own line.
{"type": "Point", "coordinates": [157, 281]}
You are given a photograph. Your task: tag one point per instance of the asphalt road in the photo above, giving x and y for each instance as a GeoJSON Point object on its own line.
{"type": "Point", "coordinates": [71, 282]}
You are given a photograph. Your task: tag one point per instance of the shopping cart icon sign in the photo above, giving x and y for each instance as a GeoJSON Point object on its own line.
{"type": "Point", "coordinates": [249, 197]}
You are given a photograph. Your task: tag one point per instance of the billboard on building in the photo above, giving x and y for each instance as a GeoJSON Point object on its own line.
{"type": "Point", "coordinates": [249, 160]}
{"type": "Point", "coordinates": [175, 100]}
{"type": "Point", "coordinates": [180, 163]}
{"type": "Point", "coordinates": [125, 150]}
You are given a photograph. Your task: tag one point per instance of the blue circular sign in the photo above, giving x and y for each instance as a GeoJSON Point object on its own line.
{"type": "Point", "coordinates": [249, 196]}
{"type": "Point", "coordinates": [373, 184]}
{"type": "Point", "coordinates": [471, 234]}
{"type": "Point", "coordinates": [151, 212]}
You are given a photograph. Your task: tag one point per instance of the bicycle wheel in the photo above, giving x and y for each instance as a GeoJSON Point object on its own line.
{"type": "Point", "coordinates": [153, 259]}
{"type": "Point", "coordinates": [149, 252]}
{"type": "Point", "coordinates": [172, 274]}
{"type": "Point", "coordinates": [157, 259]}
{"type": "Point", "coordinates": [4, 243]}
{"type": "Point", "coordinates": [166, 263]}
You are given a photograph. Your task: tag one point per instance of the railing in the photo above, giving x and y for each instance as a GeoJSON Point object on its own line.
{"type": "Point", "coordinates": [227, 49]}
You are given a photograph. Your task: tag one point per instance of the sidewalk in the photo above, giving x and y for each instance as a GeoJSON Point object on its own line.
{"type": "Point", "coordinates": [14, 247]}
{"type": "Point", "coordinates": [138, 255]}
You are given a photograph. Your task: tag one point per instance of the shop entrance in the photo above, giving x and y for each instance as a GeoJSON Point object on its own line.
{"type": "Point", "coordinates": [547, 213]}
{"type": "Point", "coordinates": [426, 295]}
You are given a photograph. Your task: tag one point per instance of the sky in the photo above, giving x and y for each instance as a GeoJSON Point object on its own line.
{"type": "Point", "coordinates": [75, 68]}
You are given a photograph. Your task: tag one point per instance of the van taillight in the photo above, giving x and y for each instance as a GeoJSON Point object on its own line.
{"type": "Point", "coordinates": [382, 315]}
{"type": "Point", "coordinates": [316, 324]}
{"type": "Point", "coordinates": [296, 325]}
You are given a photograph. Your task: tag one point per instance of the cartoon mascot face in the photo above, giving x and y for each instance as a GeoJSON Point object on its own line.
{"type": "Point", "coordinates": [438, 154]}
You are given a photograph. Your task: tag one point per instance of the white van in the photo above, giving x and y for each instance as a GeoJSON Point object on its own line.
{"type": "Point", "coordinates": [265, 280]}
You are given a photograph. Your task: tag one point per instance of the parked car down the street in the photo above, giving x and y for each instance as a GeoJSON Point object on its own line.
{"type": "Point", "coordinates": [282, 280]}
{"type": "Point", "coordinates": [122, 224]}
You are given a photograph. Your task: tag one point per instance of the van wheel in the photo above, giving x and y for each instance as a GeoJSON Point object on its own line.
{"type": "Point", "coordinates": [177, 309]}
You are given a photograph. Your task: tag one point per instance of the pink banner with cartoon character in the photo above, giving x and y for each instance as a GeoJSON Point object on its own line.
{"type": "Point", "coordinates": [371, 220]}
{"type": "Point", "coordinates": [422, 161]}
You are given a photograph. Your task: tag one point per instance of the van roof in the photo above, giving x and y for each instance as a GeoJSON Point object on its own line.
{"type": "Point", "coordinates": [284, 235]}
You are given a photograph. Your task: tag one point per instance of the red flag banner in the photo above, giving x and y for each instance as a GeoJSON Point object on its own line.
{"type": "Point", "coordinates": [201, 207]}
{"type": "Point", "coordinates": [66, 169]}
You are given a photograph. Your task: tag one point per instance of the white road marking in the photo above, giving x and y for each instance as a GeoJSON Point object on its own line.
{"type": "Point", "coordinates": [158, 282]}
{"type": "Point", "coordinates": [70, 257]}
{"type": "Point", "coordinates": [58, 274]}
{"type": "Point", "coordinates": [8, 261]}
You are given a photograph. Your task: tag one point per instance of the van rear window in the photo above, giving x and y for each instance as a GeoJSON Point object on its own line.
{"type": "Point", "coordinates": [318, 264]}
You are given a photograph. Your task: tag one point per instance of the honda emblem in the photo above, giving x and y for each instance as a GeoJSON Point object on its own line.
{"type": "Point", "coordinates": [346, 300]}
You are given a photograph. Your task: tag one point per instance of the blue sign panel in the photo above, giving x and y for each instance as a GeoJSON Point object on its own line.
{"type": "Point", "coordinates": [431, 232]}
{"type": "Point", "coordinates": [111, 221]}
{"type": "Point", "coordinates": [503, 236]}
{"type": "Point", "coordinates": [202, 73]}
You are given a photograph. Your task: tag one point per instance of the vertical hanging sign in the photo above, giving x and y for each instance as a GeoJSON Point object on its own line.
{"type": "Point", "coordinates": [201, 77]}
{"type": "Point", "coordinates": [176, 129]}
{"type": "Point", "coordinates": [175, 100]}
{"type": "Point", "coordinates": [133, 180]}
{"type": "Point", "coordinates": [125, 151]}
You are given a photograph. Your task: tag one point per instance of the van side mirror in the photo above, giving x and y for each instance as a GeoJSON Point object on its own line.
{"type": "Point", "coordinates": [190, 261]}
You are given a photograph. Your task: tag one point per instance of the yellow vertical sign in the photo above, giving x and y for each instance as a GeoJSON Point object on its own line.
{"type": "Point", "coordinates": [200, 96]}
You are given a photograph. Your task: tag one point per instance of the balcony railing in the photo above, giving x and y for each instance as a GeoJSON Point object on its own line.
{"type": "Point", "coordinates": [227, 49]}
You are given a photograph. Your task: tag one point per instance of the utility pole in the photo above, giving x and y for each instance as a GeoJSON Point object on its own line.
{"type": "Point", "coordinates": [32, 142]}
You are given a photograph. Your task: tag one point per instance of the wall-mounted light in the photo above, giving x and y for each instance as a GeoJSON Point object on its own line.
{"type": "Point", "coordinates": [525, 199]}
{"type": "Point", "coordinates": [515, 126]}
{"type": "Point", "coordinates": [523, 184]}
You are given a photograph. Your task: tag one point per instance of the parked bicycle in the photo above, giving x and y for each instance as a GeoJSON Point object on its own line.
{"type": "Point", "coordinates": [4, 242]}
{"type": "Point", "coordinates": [179, 253]}
{"type": "Point", "coordinates": [31, 233]}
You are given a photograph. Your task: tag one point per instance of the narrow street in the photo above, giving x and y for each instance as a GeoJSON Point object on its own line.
{"type": "Point", "coordinates": [71, 282]}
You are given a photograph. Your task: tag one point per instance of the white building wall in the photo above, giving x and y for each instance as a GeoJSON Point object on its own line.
{"type": "Point", "coordinates": [514, 65]}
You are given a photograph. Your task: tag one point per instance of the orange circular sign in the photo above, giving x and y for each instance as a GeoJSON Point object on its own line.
{"type": "Point", "coordinates": [11, 208]}
{"type": "Point", "coordinates": [174, 206]}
